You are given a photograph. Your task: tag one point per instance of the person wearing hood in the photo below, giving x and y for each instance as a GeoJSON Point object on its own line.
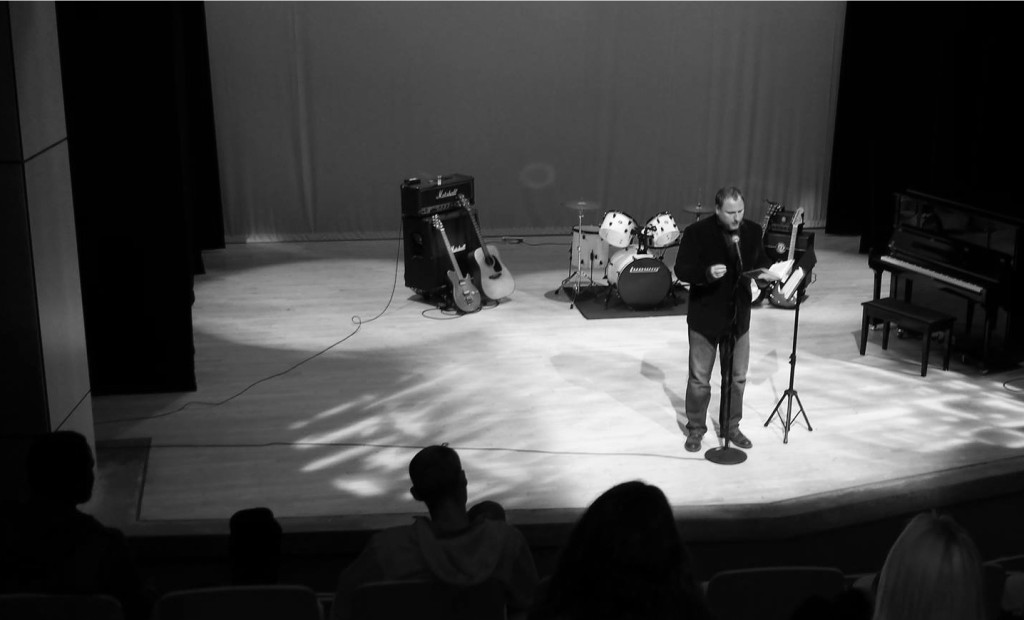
{"type": "Point", "coordinates": [450, 546]}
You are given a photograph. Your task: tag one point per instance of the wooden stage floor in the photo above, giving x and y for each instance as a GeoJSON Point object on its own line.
{"type": "Point", "coordinates": [546, 408]}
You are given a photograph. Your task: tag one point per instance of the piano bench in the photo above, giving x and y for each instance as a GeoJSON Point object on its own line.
{"type": "Point", "coordinates": [908, 316]}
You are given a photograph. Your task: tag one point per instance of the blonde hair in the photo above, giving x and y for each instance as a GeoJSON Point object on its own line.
{"type": "Point", "coordinates": [933, 572]}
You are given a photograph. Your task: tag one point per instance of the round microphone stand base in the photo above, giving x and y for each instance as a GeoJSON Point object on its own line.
{"type": "Point", "coordinates": [726, 455]}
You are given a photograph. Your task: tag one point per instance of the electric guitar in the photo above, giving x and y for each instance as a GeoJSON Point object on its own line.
{"type": "Point", "coordinates": [464, 294]}
{"type": "Point", "coordinates": [781, 295]}
{"type": "Point", "coordinates": [494, 277]}
{"type": "Point", "coordinates": [758, 293]}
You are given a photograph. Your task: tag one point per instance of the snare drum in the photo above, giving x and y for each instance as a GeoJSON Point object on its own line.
{"type": "Point", "coordinates": [662, 229]}
{"type": "Point", "coordinates": [593, 251]}
{"type": "Point", "coordinates": [641, 280]}
{"type": "Point", "coordinates": [618, 228]}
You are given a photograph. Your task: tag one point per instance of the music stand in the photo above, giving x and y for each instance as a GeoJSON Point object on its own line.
{"type": "Point", "coordinates": [806, 263]}
{"type": "Point", "coordinates": [580, 206]}
{"type": "Point", "coordinates": [791, 392]}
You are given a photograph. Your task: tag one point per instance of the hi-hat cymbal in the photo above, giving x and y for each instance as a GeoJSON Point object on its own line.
{"type": "Point", "coordinates": [697, 208]}
{"type": "Point", "coordinates": [581, 205]}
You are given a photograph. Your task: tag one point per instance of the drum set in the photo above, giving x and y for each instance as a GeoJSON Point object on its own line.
{"type": "Point", "coordinates": [635, 269]}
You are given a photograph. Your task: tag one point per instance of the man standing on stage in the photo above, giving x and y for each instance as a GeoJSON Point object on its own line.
{"type": "Point", "coordinates": [713, 254]}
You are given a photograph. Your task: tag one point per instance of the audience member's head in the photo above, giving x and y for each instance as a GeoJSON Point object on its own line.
{"type": "Point", "coordinates": [254, 547]}
{"type": "Point", "coordinates": [623, 559]}
{"type": "Point", "coordinates": [60, 469]}
{"type": "Point", "coordinates": [933, 572]}
{"type": "Point", "coordinates": [57, 549]}
{"type": "Point", "coordinates": [437, 477]}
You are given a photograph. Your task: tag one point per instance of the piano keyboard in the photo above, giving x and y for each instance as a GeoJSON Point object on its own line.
{"type": "Point", "coordinates": [941, 277]}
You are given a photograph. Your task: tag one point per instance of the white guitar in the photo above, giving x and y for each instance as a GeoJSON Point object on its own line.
{"type": "Point", "coordinates": [781, 295]}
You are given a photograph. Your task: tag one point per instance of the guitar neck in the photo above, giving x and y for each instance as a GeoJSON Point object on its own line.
{"type": "Point", "coordinates": [798, 219]}
{"type": "Point", "coordinates": [451, 254]}
{"type": "Point", "coordinates": [772, 210]}
{"type": "Point", "coordinates": [476, 229]}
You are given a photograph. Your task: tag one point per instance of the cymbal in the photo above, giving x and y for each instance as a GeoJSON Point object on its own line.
{"type": "Point", "coordinates": [581, 205]}
{"type": "Point", "coordinates": [697, 208]}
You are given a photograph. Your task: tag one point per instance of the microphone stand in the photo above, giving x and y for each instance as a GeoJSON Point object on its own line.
{"type": "Point", "coordinates": [727, 455]}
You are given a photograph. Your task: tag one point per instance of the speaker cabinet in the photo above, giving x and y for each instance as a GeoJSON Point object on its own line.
{"type": "Point", "coordinates": [426, 260]}
{"type": "Point", "coordinates": [776, 245]}
{"type": "Point", "coordinates": [782, 222]}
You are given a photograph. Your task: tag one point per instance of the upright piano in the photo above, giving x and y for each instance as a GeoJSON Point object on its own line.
{"type": "Point", "coordinates": [970, 252]}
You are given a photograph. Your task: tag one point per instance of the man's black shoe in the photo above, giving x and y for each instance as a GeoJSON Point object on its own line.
{"type": "Point", "coordinates": [693, 442]}
{"type": "Point", "coordinates": [738, 439]}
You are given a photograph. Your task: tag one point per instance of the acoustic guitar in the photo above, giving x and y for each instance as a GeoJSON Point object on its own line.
{"type": "Point", "coordinates": [493, 276]}
{"type": "Point", "coordinates": [781, 295]}
{"type": "Point", "coordinates": [464, 294]}
{"type": "Point", "coordinates": [758, 293]}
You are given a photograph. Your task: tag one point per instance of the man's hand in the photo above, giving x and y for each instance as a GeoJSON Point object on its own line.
{"type": "Point", "coordinates": [715, 272]}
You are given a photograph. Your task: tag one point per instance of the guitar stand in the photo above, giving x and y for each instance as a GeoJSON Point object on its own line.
{"type": "Point", "coordinates": [446, 302]}
{"type": "Point", "coordinates": [790, 392]}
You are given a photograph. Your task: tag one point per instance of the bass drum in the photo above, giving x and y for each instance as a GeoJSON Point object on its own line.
{"type": "Point", "coordinates": [642, 280]}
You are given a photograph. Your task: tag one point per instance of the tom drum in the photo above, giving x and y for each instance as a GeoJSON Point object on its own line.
{"type": "Point", "coordinates": [662, 229]}
{"type": "Point", "coordinates": [618, 228]}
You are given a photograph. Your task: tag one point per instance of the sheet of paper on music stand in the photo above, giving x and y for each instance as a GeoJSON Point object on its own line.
{"type": "Point", "coordinates": [761, 272]}
{"type": "Point", "coordinates": [781, 268]}
{"type": "Point", "coordinates": [793, 283]}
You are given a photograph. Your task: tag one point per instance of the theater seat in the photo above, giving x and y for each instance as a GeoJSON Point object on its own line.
{"type": "Point", "coordinates": [771, 593]}
{"type": "Point", "coordinates": [60, 607]}
{"type": "Point", "coordinates": [271, 602]}
{"type": "Point", "coordinates": [428, 600]}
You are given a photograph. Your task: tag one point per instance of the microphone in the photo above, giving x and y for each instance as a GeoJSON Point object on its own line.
{"type": "Point", "coordinates": [739, 256]}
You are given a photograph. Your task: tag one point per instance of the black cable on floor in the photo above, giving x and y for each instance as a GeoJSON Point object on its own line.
{"type": "Point", "coordinates": [359, 322]}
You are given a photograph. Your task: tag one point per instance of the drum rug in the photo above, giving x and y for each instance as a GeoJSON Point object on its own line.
{"type": "Point", "coordinates": [591, 304]}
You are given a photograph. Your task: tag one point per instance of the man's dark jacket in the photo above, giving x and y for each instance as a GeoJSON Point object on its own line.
{"type": "Point", "coordinates": [711, 304]}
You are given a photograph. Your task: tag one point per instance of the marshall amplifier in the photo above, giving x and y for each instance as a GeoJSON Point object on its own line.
{"type": "Point", "coordinates": [421, 197]}
{"type": "Point", "coordinates": [427, 261]}
{"type": "Point", "coordinates": [776, 244]}
{"type": "Point", "coordinates": [782, 222]}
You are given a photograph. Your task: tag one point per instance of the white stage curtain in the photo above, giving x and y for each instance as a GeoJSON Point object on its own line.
{"type": "Point", "coordinates": [322, 109]}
